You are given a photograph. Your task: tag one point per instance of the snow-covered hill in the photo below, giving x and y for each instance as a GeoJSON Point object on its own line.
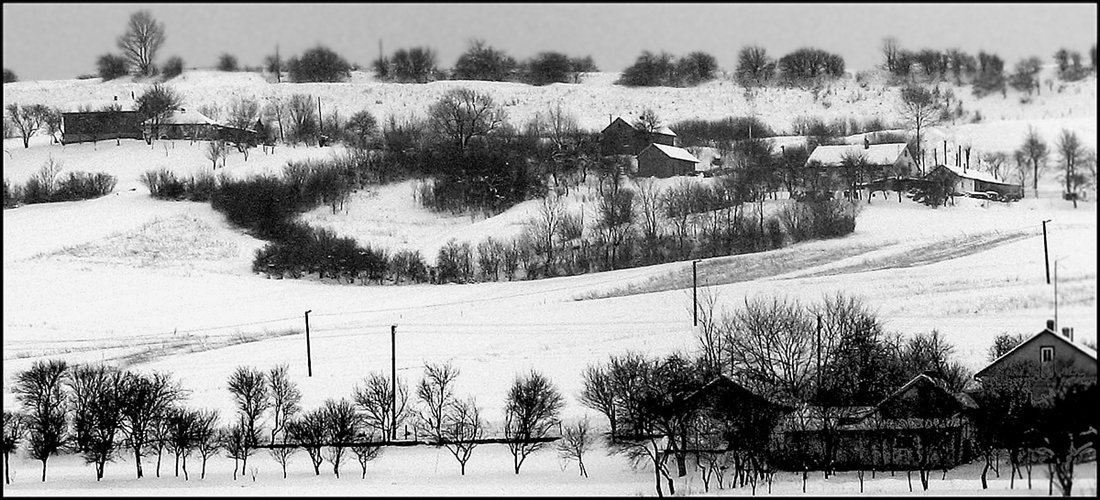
{"type": "Point", "coordinates": [158, 285]}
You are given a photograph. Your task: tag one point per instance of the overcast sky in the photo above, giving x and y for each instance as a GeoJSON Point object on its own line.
{"type": "Point", "coordinates": [55, 41]}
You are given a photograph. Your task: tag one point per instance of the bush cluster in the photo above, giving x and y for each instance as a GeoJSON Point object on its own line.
{"type": "Point", "coordinates": [164, 184]}
{"type": "Point", "coordinates": [722, 132]}
{"type": "Point", "coordinates": [319, 64]}
{"type": "Point", "coordinates": [653, 70]}
{"type": "Point", "coordinates": [48, 185]}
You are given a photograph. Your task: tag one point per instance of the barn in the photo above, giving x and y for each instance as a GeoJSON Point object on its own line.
{"type": "Point", "coordinates": [180, 124]}
{"type": "Point", "coordinates": [619, 138]}
{"type": "Point", "coordinates": [622, 138]}
{"type": "Point", "coordinates": [964, 181]}
{"type": "Point", "coordinates": [661, 161]}
{"type": "Point", "coordinates": [100, 125]}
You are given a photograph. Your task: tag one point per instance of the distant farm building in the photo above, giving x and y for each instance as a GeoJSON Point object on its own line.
{"type": "Point", "coordinates": [180, 124]}
{"type": "Point", "coordinates": [661, 161]}
{"type": "Point", "coordinates": [622, 138]}
{"type": "Point", "coordinates": [100, 125]}
{"type": "Point", "coordinates": [881, 160]}
{"type": "Point", "coordinates": [964, 181]}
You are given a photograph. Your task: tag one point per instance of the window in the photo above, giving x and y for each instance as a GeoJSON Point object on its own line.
{"type": "Point", "coordinates": [1046, 354]}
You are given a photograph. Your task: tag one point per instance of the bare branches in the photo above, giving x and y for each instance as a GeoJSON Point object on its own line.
{"type": "Point", "coordinates": [143, 38]}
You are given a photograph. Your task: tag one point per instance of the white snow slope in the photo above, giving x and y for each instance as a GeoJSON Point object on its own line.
{"type": "Point", "coordinates": [157, 285]}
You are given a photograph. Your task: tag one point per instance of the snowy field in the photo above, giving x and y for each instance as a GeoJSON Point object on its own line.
{"type": "Point", "coordinates": [158, 285]}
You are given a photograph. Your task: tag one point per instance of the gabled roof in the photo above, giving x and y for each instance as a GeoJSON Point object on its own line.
{"type": "Point", "coordinates": [878, 154]}
{"type": "Point", "coordinates": [974, 174]}
{"type": "Point", "coordinates": [618, 119]}
{"type": "Point", "coordinates": [730, 387]}
{"type": "Point", "coordinates": [1084, 350]}
{"type": "Point", "coordinates": [964, 400]}
{"type": "Point", "coordinates": [664, 130]}
{"type": "Point", "coordinates": [673, 152]}
{"type": "Point", "coordinates": [183, 117]}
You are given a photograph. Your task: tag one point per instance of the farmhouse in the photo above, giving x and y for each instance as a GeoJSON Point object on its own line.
{"type": "Point", "coordinates": [622, 138]}
{"type": "Point", "coordinates": [881, 160]}
{"type": "Point", "coordinates": [180, 124]}
{"type": "Point", "coordinates": [924, 421]}
{"type": "Point", "coordinates": [100, 125]}
{"type": "Point", "coordinates": [661, 161]}
{"type": "Point", "coordinates": [1046, 361]}
{"type": "Point", "coordinates": [963, 181]}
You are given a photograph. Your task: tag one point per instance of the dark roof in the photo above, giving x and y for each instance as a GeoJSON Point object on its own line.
{"type": "Point", "coordinates": [724, 385]}
{"type": "Point", "coordinates": [617, 119]}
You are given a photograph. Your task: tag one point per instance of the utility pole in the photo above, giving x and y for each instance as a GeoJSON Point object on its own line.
{"type": "Point", "coordinates": [1056, 295]}
{"type": "Point", "coordinates": [1046, 255]}
{"type": "Point", "coordinates": [695, 292]}
{"type": "Point", "coordinates": [309, 359]}
{"type": "Point", "coordinates": [393, 382]}
{"type": "Point", "coordinates": [818, 391]}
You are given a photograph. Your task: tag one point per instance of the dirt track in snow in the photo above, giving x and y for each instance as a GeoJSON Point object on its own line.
{"type": "Point", "coordinates": [786, 263]}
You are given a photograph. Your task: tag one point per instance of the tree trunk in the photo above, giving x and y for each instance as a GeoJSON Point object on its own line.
{"type": "Point", "coordinates": [7, 469]}
{"type": "Point", "coordinates": [44, 470]}
{"type": "Point", "coordinates": [462, 468]}
{"type": "Point", "coordinates": [185, 477]}
{"type": "Point", "coordinates": [137, 460]}
{"type": "Point", "coordinates": [985, 469]}
{"type": "Point", "coordinates": [656, 477]}
{"type": "Point", "coordinates": [581, 464]}
{"type": "Point", "coordinates": [203, 475]}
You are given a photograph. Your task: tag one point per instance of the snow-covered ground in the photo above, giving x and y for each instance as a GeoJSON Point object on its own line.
{"type": "Point", "coordinates": [158, 285]}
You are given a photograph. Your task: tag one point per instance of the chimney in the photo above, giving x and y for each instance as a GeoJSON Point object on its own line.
{"type": "Point", "coordinates": [1067, 332]}
{"type": "Point", "coordinates": [1050, 325]}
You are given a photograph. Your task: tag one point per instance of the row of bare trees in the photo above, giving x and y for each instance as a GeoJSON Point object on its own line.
{"type": "Point", "coordinates": [100, 411]}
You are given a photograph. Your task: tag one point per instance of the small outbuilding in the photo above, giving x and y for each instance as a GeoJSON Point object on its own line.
{"type": "Point", "coordinates": [964, 181]}
{"type": "Point", "coordinates": [622, 138]}
{"type": "Point", "coordinates": [661, 161]}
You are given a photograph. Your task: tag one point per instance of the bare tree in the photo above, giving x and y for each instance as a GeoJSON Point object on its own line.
{"type": "Point", "coordinates": [599, 394]}
{"type": "Point", "coordinates": [648, 121]}
{"type": "Point", "coordinates": [206, 436]}
{"type": "Point", "coordinates": [363, 129]}
{"type": "Point", "coordinates": [40, 389]}
{"type": "Point", "coordinates": [143, 38]}
{"type": "Point", "coordinates": [890, 52]}
{"type": "Point", "coordinates": [234, 442]}
{"type": "Point", "coordinates": [1035, 151]}
{"type": "Point", "coordinates": [249, 389]}
{"type": "Point", "coordinates": [376, 400]}
{"type": "Point", "coordinates": [215, 150]}
{"type": "Point", "coordinates": [649, 197]}
{"type": "Point", "coordinates": [309, 432]}
{"type": "Point", "coordinates": [575, 442]}
{"type": "Point", "coordinates": [154, 104]}
{"type": "Point", "coordinates": [754, 67]}
{"type": "Point", "coordinates": [616, 209]}
{"type": "Point", "coordinates": [97, 396]}
{"type": "Point", "coordinates": [286, 399]}
{"type": "Point", "coordinates": [27, 119]}
{"type": "Point", "coordinates": [368, 451]}
{"type": "Point", "coordinates": [341, 424]}
{"type": "Point", "coordinates": [463, 114]}
{"type": "Point", "coordinates": [51, 120]}
{"type": "Point", "coordinates": [921, 109]}
{"type": "Point", "coordinates": [677, 205]}
{"type": "Point", "coordinates": [531, 411]}
{"type": "Point", "coordinates": [436, 392]}
{"type": "Point", "coordinates": [1071, 153]}
{"type": "Point", "coordinates": [561, 125]}
{"type": "Point", "coordinates": [303, 124]}
{"type": "Point", "coordinates": [15, 426]}
{"type": "Point", "coordinates": [462, 429]}
{"type": "Point", "coordinates": [183, 433]}
{"type": "Point", "coordinates": [243, 112]}
{"type": "Point", "coordinates": [148, 399]}
{"type": "Point", "coordinates": [544, 225]}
